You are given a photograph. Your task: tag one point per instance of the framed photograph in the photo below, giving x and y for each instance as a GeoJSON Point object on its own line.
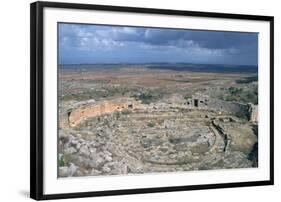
{"type": "Point", "coordinates": [131, 100]}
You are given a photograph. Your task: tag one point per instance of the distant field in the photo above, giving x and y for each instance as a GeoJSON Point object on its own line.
{"type": "Point", "coordinates": [214, 68]}
{"type": "Point", "coordinates": [82, 82]}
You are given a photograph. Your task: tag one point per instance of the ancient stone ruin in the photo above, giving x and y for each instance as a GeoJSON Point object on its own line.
{"type": "Point", "coordinates": [198, 101]}
{"type": "Point", "coordinates": [94, 109]}
{"type": "Point", "coordinates": [122, 136]}
{"type": "Point", "coordinates": [86, 110]}
{"type": "Point", "coordinates": [204, 102]}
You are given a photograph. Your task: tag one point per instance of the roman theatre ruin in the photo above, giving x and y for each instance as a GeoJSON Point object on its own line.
{"type": "Point", "coordinates": [196, 134]}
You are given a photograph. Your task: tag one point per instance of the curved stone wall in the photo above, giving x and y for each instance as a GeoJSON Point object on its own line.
{"type": "Point", "coordinates": [93, 109]}
{"type": "Point", "coordinates": [76, 116]}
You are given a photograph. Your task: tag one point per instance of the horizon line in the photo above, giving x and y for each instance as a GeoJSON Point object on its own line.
{"type": "Point", "coordinates": [136, 63]}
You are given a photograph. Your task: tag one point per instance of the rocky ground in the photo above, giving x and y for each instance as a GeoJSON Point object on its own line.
{"type": "Point", "coordinates": [161, 137]}
{"type": "Point", "coordinates": [185, 140]}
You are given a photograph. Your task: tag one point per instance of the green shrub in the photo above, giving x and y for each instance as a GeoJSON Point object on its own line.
{"type": "Point", "coordinates": [146, 98]}
{"type": "Point", "coordinates": [61, 162]}
{"type": "Point", "coordinates": [151, 124]}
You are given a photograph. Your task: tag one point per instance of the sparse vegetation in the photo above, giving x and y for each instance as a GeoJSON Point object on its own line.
{"type": "Point", "coordinates": [61, 162]}
{"type": "Point", "coordinates": [96, 94]}
{"type": "Point", "coordinates": [247, 80]}
{"type": "Point", "coordinates": [66, 159]}
{"type": "Point", "coordinates": [146, 98]}
{"type": "Point", "coordinates": [151, 124]}
{"type": "Point", "coordinates": [244, 95]}
{"type": "Point", "coordinates": [149, 97]}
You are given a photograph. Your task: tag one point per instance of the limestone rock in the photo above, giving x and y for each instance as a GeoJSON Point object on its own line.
{"type": "Point", "coordinates": [84, 151]}
{"type": "Point", "coordinates": [108, 158]}
{"type": "Point", "coordinates": [63, 171]}
{"type": "Point", "coordinates": [70, 150]}
{"type": "Point", "coordinates": [106, 169]}
{"type": "Point", "coordinates": [95, 172]}
{"type": "Point", "coordinates": [72, 169]}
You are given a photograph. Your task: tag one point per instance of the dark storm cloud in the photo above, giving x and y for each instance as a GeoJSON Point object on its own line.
{"type": "Point", "coordinates": [91, 43]}
{"type": "Point", "coordinates": [206, 39]}
{"type": "Point", "coordinates": [222, 40]}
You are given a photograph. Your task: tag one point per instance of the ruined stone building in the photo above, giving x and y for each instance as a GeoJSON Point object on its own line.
{"type": "Point", "coordinates": [204, 102]}
{"type": "Point", "coordinates": [198, 101]}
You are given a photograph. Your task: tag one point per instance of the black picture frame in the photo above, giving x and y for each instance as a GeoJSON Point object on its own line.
{"type": "Point", "coordinates": [36, 98]}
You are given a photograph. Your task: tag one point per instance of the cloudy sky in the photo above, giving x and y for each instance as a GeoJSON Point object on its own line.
{"type": "Point", "coordinates": [91, 44]}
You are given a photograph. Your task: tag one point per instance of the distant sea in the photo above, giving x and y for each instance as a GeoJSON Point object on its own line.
{"type": "Point", "coordinates": [211, 68]}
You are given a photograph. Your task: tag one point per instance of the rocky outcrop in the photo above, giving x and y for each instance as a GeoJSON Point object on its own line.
{"type": "Point", "coordinates": [82, 157]}
{"type": "Point", "coordinates": [68, 171]}
{"type": "Point", "coordinates": [253, 113]}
